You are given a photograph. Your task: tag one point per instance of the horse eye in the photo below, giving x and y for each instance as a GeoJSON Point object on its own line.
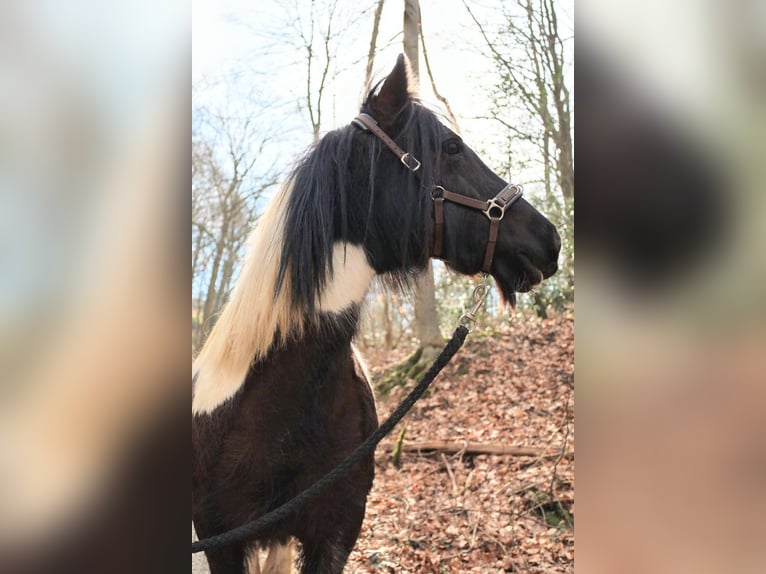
{"type": "Point", "coordinates": [452, 147]}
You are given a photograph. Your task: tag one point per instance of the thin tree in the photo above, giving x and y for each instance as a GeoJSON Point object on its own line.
{"type": "Point", "coordinates": [536, 82]}
{"type": "Point", "coordinates": [315, 89]}
{"type": "Point", "coordinates": [373, 43]}
{"type": "Point", "coordinates": [225, 191]}
{"type": "Point", "coordinates": [426, 317]}
{"type": "Point", "coordinates": [529, 53]}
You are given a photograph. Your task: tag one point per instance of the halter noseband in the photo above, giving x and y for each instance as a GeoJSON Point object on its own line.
{"type": "Point", "coordinates": [493, 208]}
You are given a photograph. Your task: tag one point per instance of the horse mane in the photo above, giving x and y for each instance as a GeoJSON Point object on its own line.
{"type": "Point", "coordinates": [327, 180]}
{"type": "Point", "coordinates": [293, 250]}
{"type": "Point", "coordinates": [250, 320]}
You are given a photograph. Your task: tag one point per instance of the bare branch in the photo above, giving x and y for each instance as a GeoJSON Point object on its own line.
{"type": "Point", "coordinates": [441, 98]}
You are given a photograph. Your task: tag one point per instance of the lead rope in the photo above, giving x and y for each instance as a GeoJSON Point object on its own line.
{"type": "Point", "coordinates": [466, 323]}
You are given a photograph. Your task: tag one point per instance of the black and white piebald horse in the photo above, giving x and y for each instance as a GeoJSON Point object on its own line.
{"type": "Point", "coordinates": [280, 396]}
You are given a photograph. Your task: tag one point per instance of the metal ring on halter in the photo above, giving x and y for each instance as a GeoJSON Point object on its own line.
{"type": "Point", "coordinates": [493, 204]}
{"type": "Point", "coordinates": [494, 208]}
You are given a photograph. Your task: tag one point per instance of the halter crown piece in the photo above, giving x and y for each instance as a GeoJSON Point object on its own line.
{"type": "Point", "coordinates": [494, 208]}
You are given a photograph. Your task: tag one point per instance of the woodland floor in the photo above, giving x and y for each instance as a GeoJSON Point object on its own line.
{"type": "Point", "coordinates": [459, 513]}
{"type": "Point", "coordinates": [454, 513]}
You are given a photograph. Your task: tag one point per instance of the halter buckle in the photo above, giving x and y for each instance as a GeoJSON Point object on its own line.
{"type": "Point", "coordinates": [493, 207]}
{"type": "Point", "coordinates": [410, 162]}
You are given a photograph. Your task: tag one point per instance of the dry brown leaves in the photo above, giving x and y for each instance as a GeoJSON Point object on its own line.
{"type": "Point", "coordinates": [482, 513]}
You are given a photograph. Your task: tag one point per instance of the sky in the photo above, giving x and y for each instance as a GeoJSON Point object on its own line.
{"type": "Point", "coordinates": [224, 31]}
{"type": "Point", "coordinates": [234, 42]}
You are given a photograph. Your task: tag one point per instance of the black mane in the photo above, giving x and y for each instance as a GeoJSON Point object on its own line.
{"type": "Point", "coordinates": [350, 187]}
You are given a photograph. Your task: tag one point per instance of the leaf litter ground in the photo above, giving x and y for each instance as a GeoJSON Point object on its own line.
{"type": "Point", "coordinates": [445, 513]}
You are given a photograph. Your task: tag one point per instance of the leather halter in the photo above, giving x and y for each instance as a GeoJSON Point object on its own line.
{"type": "Point", "coordinates": [494, 208]}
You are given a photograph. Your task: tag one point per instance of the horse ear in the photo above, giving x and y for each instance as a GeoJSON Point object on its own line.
{"type": "Point", "coordinates": [394, 94]}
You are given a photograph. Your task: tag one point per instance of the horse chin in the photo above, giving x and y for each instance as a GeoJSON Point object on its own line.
{"type": "Point", "coordinates": [507, 281]}
{"type": "Point", "coordinates": [506, 297]}
{"type": "Point", "coordinates": [519, 277]}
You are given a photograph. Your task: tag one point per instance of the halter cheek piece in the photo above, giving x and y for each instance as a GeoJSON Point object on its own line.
{"type": "Point", "coordinates": [494, 208]}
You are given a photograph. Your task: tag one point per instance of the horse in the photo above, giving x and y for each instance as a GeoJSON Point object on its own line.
{"type": "Point", "coordinates": [280, 395]}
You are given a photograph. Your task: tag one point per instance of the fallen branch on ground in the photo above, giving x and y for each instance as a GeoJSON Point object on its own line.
{"type": "Point", "coordinates": [452, 447]}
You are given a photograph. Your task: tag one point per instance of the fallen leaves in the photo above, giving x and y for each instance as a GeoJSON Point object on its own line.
{"type": "Point", "coordinates": [481, 513]}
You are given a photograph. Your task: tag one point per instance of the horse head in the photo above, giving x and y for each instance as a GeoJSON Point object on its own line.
{"type": "Point", "coordinates": [439, 199]}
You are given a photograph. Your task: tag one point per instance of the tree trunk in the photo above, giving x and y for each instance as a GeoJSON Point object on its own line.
{"type": "Point", "coordinates": [427, 320]}
{"type": "Point", "coordinates": [226, 277]}
{"type": "Point", "coordinates": [540, 306]}
{"type": "Point", "coordinates": [373, 44]}
{"type": "Point", "coordinates": [411, 34]}
{"type": "Point", "coordinates": [389, 336]}
{"type": "Point", "coordinates": [210, 297]}
{"type": "Point", "coordinates": [565, 159]}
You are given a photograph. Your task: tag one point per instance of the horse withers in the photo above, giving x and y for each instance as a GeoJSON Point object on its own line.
{"type": "Point", "coordinates": [280, 396]}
